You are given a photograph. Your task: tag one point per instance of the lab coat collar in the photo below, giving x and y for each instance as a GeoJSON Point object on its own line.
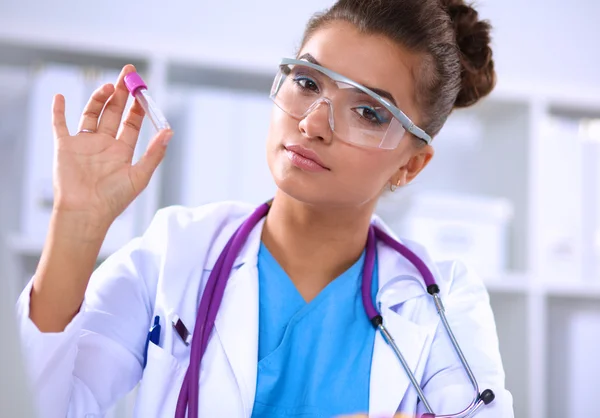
{"type": "Point", "coordinates": [393, 267]}
{"type": "Point", "coordinates": [391, 264]}
{"type": "Point", "coordinates": [248, 252]}
{"type": "Point", "coordinates": [399, 281]}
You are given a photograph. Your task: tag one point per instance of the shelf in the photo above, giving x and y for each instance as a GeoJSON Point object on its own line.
{"type": "Point", "coordinates": [104, 51]}
{"type": "Point", "coordinates": [509, 283]}
{"type": "Point", "coordinates": [573, 290]}
{"type": "Point", "coordinates": [187, 74]}
{"type": "Point", "coordinates": [19, 53]}
{"type": "Point", "coordinates": [559, 96]}
{"type": "Point", "coordinates": [517, 283]}
{"type": "Point", "coordinates": [31, 247]}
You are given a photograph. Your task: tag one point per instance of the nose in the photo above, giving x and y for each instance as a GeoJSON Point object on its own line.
{"type": "Point", "coordinates": [318, 121]}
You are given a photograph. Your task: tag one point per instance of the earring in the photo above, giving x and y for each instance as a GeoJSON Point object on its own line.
{"type": "Point", "coordinates": [393, 187]}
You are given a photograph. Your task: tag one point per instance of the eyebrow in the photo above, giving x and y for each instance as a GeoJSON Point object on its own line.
{"type": "Point", "coordinates": [382, 93]}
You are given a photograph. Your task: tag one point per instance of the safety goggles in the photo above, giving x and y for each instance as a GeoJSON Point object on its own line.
{"type": "Point", "coordinates": [356, 114]}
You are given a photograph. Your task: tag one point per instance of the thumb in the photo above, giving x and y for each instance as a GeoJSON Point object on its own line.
{"type": "Point", "coordinates": [142, 170]}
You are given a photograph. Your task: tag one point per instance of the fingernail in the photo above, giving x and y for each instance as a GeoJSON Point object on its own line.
{"type": "Point", "coordinates": [167, 138]}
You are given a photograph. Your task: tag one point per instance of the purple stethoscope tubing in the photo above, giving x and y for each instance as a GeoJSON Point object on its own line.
{"type": "Point", "coordinates": [209, 306]}
{"type": "Point", "coordinates": [212, 297]}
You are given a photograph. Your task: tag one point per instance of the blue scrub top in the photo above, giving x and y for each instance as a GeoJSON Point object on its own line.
{"type": "Point", "coordinates": [314, 359]}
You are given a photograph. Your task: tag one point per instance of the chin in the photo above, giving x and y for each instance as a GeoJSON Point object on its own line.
{"type": "Point", "coordinates": [313, 192]}
{"type": "Point", "coordinates": [298, 186]}
{"type": "Point", "coordinates": [294, 183]}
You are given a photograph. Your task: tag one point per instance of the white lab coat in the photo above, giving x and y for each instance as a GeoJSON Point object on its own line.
{"type": "Point", "coordinates": [82, 371]}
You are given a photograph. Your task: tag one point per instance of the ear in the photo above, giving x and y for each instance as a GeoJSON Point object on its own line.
{"type": "Point", "coordinates": [417, 162]}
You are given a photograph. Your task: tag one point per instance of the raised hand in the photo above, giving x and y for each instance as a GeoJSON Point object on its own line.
{"type": "Point", "coordinates": [93, 173]}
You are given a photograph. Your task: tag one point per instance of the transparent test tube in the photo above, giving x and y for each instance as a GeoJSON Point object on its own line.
{"type": "Point", "coordinates": [138, 89]}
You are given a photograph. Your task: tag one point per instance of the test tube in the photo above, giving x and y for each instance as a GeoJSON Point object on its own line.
{"type": "Point", "coordinates": [138, 89]}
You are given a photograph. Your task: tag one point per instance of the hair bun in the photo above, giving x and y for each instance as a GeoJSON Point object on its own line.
{"type": "Point", "coordinates": [478, 76]}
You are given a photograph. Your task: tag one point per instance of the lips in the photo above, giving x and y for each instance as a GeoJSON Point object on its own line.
{"type": "Point", "coordinates": [306, 153]}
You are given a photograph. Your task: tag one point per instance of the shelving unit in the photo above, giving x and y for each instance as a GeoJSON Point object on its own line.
{"type": "Point", "coordinates": [495, 149]}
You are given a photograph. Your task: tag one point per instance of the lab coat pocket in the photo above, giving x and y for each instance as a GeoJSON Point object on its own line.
{"type": "Point", "coordinates": [160, 384]}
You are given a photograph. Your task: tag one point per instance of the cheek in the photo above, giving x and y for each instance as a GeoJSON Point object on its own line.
{"type": "Point", "coordinates": [366, 172]}
{"type": "Point", "coordinates": [373, 164]}
{"type": "Point", "coordinates": [279, 129]}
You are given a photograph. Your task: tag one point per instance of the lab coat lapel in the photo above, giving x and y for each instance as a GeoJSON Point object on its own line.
{"type": "Point", "coordinates": [236, 323]}
{"type": "Point", "coordinates": [399, 285]}
{"type": "Point", "coordinates": [389, 382]}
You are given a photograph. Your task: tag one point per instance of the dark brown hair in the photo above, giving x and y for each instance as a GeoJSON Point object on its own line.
{"type": "Point", "coordinates": [456, 68]}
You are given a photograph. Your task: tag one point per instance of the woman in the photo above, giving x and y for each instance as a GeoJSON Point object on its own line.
{"type": "Point", "coordinates": [291, 337]}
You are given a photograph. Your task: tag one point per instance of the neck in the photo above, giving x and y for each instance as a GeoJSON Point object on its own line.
{"type": "Point", "coordinates": [314, 245]}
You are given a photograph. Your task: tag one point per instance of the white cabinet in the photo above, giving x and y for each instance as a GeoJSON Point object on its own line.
{"type": "Point", "coordinates": [218, 152]}
{"type": "Point", "coordinates": [199, 155]}
{"type": "Point", "coordinates": [39, 148]}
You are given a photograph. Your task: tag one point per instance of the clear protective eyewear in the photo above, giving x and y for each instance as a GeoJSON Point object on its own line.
{"type": "Point", "coordinates": [357, 114]}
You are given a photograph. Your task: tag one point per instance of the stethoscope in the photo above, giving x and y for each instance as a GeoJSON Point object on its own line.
{"type": "Point", "coordinates": [213, 295]}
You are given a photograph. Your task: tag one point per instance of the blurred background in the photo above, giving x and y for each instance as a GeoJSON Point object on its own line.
{"type": "Point", "coordinates": [514, 188]}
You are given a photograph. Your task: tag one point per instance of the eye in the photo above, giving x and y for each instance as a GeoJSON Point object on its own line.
{"type": "Point", "coordinates": [306, 83]}
{"type": "Point", "coordinates": [371, 115]}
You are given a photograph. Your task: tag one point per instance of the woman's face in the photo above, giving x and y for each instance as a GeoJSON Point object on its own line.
{"type": "Point", "coordinates": [350, 175]}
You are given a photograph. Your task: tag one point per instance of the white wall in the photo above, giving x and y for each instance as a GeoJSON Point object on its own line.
{"type": "Point", "coordinates": [537, 42]}
{"type": "Point", "coordinates": [544, 42]}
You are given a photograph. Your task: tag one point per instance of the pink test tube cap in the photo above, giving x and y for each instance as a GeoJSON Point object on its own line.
{"type": "Point", "coordinates": [133, 81]}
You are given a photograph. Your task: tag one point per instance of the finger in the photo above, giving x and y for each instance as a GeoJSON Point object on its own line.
{"type": "Point", "coordinates": [130, 128]}
{"type": "Point", "coordinates": [113, 111]}
{"type": "Point", "coordinates": [59, 122]}
{"type": "Point", "coordinates": [142, 170]}
{"type": "Point", "coordinates": [93, 108]}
